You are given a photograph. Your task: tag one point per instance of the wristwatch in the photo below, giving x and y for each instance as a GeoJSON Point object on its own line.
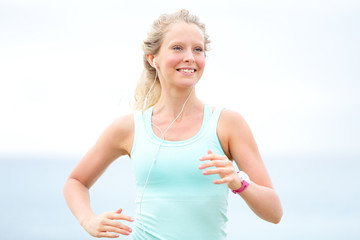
{"type": "Point", "coordinates": [245, 182]}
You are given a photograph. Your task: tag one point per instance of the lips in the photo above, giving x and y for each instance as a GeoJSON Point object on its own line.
{"type": "Point", "coordinates": [186, 70]}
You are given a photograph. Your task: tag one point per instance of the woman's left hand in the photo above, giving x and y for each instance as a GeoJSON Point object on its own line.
{"type": "Point", "coordinates": [224, 167]}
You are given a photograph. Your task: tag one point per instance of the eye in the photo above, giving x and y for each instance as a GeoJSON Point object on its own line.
{"type": "Point", "coordinates": [177, 48]}
{"type": "Point", "coordinates": [199, 49]}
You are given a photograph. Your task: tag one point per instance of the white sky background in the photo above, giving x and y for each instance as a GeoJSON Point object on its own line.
{"type": "Point", "coordinates": [291, 68]}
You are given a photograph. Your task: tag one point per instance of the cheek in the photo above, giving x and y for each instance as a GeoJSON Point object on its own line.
{"type": "Point", "coordinates": [172, 60]}
{"type": "Point", "coordinates": [201, 62]}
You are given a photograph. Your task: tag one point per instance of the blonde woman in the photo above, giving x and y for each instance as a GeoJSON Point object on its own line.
{"type": "Point", "coordinates": [183, 150]}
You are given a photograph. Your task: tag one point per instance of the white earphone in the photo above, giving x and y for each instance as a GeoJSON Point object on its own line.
{"type": "Point", "coordinates": [161, 142]}
{"type": "Point", "coordinates": [154, 63]}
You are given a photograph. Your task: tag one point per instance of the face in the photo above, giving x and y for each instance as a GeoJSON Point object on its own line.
{"type": "Point", "coordinates": [181, 58]}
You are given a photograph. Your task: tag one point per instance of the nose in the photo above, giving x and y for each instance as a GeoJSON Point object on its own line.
{"type": "Point", "coordinates": [189, 56]}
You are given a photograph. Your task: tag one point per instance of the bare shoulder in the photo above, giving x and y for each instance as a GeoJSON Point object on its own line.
{"type": "Point", "coordinates": [233, 131]}
{"type": "Point", "coordinates": [233, 123]}
{"type": "Point", "coordinates": [232, 117]}
{"type": "Point", "coordinates": [119, 134]}
{"type": "Point", "coordinates": [123, 125]}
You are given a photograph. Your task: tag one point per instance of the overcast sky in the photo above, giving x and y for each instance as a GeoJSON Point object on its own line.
{"type": "Point", "coordinates": [291, 68]}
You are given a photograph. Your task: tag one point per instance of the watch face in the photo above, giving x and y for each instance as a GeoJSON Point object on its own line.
{"type": "Point", "coordinates": [244, 177]}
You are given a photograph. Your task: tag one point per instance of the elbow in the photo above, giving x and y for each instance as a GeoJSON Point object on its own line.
{"type": "Point", "coordinates": [71, 184]}
{"type": "Point", "coordinates": [277, 216]}
{"type": "Point", "coordinates": [277, 219]}
{"type": "Point", "coordinates": [66, 187]}
{"type": "Point", "coordinates": [277, 212]}
{"type": "Point", "coordinates": [273, 216]}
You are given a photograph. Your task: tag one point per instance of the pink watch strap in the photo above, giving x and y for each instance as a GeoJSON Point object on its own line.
{"type": "Point", "coordinates": [244, 185]}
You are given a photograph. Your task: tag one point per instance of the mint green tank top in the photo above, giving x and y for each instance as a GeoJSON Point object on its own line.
{"type": "Point", "coordinates": [179, 202]}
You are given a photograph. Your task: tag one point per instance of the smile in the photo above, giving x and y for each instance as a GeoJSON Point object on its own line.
{"type": "Point", "coordinates": [186, 70]}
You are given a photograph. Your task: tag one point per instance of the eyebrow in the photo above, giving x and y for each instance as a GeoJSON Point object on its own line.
{"type": "Point", "coordinates": [182, 43]}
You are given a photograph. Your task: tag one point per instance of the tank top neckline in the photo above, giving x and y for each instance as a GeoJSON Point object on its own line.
{"type": "Point", "coordinates": [147, 119]}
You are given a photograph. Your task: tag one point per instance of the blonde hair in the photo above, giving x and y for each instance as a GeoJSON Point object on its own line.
{"type": "Point", "coordinates": [151, 46]}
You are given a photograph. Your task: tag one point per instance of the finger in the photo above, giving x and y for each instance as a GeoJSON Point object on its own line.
{"type": "Point", "coordinates": [108, 235]}
{"type": "Point", "coordinates": [222, 180]}
{"type": "Point", "coordinates": [117, 230]}
{"type": "Point", "coordinates": [212, 157]}
{"type": "Point", "coordinates": [118, 216]}
{"type": "Point", "coordinates": [216, 163]}
{"type": "Point", "coordinates": [222, 171]}
{"type": "Point", "coordinates": [119, 210]}
{"type": "Point", "coordinates": [115, 224]}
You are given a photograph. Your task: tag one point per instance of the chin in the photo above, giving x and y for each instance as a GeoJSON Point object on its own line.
{"type": "Point", "coordinates": [188, 83]}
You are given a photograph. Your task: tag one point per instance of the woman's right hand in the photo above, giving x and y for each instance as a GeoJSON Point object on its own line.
{"type": "Point", "coordinates": [107, 224]}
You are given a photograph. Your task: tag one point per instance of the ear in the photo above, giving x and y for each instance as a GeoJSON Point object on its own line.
{"type": "Point", "coordinates": [150, 59]}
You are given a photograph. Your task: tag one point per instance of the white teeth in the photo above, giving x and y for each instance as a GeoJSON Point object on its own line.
{"type": "Point", "coordinates": [187, 70]}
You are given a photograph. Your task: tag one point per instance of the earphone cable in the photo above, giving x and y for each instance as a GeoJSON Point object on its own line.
{"type": "Point", "coordinates": [157, 151]}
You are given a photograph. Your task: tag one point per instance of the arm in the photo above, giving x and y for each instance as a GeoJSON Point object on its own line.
{"type": "Point", "coordinates": [239, 144]}
{"type": "Point", "coordinates": [113, 143]}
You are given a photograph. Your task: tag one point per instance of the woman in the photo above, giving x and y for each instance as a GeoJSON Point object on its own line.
{"type": "Point", "coordinates": [182, 150]}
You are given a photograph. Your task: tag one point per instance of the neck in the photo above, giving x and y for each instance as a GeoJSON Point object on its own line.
{"type": "Point", "coordinates": [171, 103]}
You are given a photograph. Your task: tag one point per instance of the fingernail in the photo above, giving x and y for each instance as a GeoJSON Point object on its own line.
{"type": "Point", "coordinates": [204, 172]}
{"type": "Point", "coordinates": [131, 219]}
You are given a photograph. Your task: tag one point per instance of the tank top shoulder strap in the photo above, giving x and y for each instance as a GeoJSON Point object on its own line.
{"type": "Point", "coordinates": [215, 115]}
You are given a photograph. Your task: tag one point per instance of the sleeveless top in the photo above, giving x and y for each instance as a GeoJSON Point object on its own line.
{"type": "Point", "coordinates": [179, 202]}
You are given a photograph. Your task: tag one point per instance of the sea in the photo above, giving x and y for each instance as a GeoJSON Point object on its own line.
{"type": "Point", "coordinates": [320, 195]}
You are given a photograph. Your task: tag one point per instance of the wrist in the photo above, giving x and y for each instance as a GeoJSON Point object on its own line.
{"type": "Point", "coordinates": [245, 182]}
{"type": "Point", "coordinates": [86, 218]}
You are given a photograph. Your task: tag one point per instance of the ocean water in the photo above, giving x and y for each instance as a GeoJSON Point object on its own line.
{"type": "Point", "coordinates": [320, 197]}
